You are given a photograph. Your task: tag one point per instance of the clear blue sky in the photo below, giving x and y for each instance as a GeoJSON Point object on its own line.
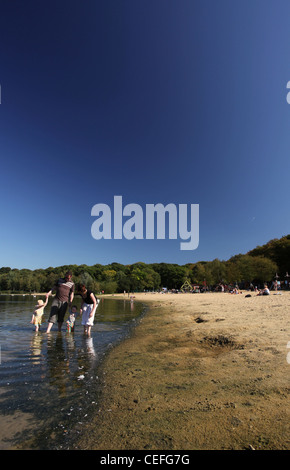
{"type": "Point", "coordinates": [160, 101]}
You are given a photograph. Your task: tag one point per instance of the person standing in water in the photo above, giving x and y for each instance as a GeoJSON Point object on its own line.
{"type": "Point", "coordinates": [72, 319]}
{"type": "Point", "coordinates": [64, 294]}
{"type": "Point", "coordinates": [38, 313]}
{"type": "Point", "coordinates": [88, 308]}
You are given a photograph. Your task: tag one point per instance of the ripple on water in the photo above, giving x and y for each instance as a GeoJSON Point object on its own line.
{"type": "Point", "coordinates": [50, 382]}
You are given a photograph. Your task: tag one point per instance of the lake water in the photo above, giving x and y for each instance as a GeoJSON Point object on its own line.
{"type": "Point", "coordinates": [49, 383]}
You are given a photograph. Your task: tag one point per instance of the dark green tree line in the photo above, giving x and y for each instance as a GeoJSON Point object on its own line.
{"type": "Point", "coordinates": [258, 265]}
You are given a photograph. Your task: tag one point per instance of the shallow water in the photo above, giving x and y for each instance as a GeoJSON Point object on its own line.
{"type": "Point", "coordinates": [49, 383]}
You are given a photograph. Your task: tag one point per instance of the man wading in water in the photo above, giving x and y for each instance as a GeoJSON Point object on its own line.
{"type": "Point", "coordinates": [64, 289]}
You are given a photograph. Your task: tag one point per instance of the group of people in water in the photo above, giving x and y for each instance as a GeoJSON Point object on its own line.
{"type": "Point", "coordinates": [64, 290]}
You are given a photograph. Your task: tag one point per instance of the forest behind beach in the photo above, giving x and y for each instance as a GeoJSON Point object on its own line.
{"type": "Point", "coordinates": [262, 264]}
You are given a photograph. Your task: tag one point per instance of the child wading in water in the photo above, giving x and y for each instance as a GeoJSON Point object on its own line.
{"type": "Point", "coordinates": [71, 319]}
{"type": "Point", "coordinates": [88, 308]}
{"type": "Point", "coordinates": [38, 313]}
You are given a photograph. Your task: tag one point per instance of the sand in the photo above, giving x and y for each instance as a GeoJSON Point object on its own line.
{"type": "Point", "coordinates": [204, 371]}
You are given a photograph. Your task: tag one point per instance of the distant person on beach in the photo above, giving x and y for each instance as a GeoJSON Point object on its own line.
{"type": "Point", "coordinates": [71, 319]}
{"type": "Point", "coordinates": [38, 313]}
{"type": "Point", "coordinates": [64, 294]}
{"type": "Point", "coordinates": [265, 291]}
{"type": "Point", "coordinates": [88, 308]}
{"type": "Point", "coordinates": [234, 291]}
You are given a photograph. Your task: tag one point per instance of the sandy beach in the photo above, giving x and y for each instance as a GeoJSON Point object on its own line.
{"type": "Point", "coordinates": [200, 372]}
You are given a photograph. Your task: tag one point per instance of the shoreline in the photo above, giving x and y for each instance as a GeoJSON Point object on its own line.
{"type": "Point", "coordinates": [199, 372]}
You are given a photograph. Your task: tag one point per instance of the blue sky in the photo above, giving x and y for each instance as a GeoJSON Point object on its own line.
{"type": "Point", "coordinates": [160, 101]}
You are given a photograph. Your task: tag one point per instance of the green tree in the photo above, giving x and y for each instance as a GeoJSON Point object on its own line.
{"type": "Point", "coordinates": [198, 273]}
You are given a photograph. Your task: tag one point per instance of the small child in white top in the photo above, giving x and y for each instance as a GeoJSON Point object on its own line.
{"type": "Point", "coordinates": [71, 319]}
{"type": "Point", "coordinates": [38, 313]}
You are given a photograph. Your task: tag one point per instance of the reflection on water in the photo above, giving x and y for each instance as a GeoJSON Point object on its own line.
{"type": "Point", "coordinates": [51, 381]}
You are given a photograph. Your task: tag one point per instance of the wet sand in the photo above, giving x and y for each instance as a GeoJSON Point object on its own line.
{"type": "Point", "coordinates": [200, 372]}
